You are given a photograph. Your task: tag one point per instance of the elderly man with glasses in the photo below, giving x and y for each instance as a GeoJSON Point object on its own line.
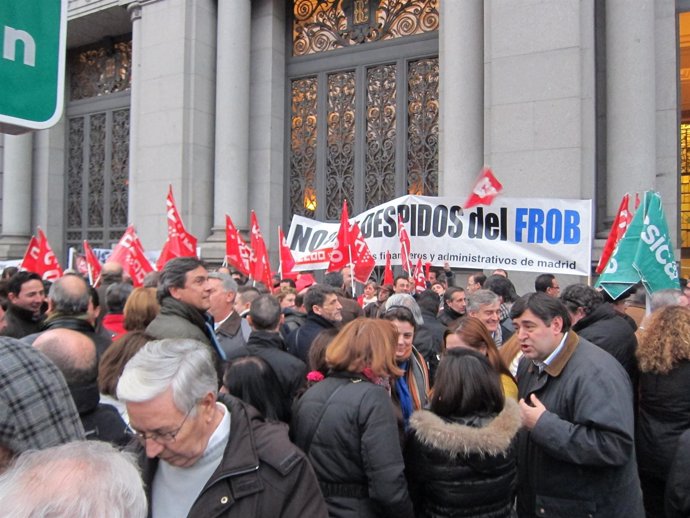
{"type": "Point", "coordinates": [209, 455]}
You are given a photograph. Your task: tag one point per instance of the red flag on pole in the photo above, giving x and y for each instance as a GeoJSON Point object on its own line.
{"type": "Point", "coordinates": [419, 279]}
{"type": "Point", "coordinates": [237, 252]}
{"type": "Point", "coordinates": [341, 256]}
{"type": "Point", "coordinates": [485, 190]}
{"type": "Point", "coordinates": [130, 255]}
{"type": "Point", "coordinates": [404, 245]}
{"type": "Point", "coordinates": [180, 243]}
{"type": "Point", "coordinates": [287, 262]}
{"type": "Point", "coordinates": [362, 261]}
{"type": "Point", "coordinates": [93, 265]}
{"type": "Point", "coordinates": [39, 258]}
{"type": "Point", "coordinates": [388, 271]}
{"type": "Point", "coordinates": [30, 262]}
{"type": "Point", "coordinates": [620, 225]}
{"type": "Point", "coordinates": [261, 269]}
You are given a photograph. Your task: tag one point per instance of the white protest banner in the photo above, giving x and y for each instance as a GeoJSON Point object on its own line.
{"type": "Point", "coordinates": [522, 234]}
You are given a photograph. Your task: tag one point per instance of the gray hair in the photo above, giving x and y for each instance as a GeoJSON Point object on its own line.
{"type": "Point", "coordinates": [407, 301]}
{"type": "Point", "coordinates": [480, 298]}
{"type": "Point", "coordinates": [184, 365]}
{"type": "Point", "coordinates": [667, 297]}
{"type": "Point", "coordinates": [80, 479]}
{"type": "Point", "coordinates": [229, 283]}
{"type": "Point", "coordinates": [70, 295]}
{"type": "Point", "coordinates": [174, 274]}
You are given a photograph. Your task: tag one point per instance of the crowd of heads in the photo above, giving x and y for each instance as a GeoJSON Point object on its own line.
{"type": "Point", "coordinates": [170, 386]}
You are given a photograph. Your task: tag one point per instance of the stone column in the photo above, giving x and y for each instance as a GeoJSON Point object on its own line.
{"type": "Point", "coordinates": [134, 10]}
{"type": "Point", "coordinates": [461, 49]}
{"type": "Point", "coordinates": [231, 173]}
{"type": "Point", "coordinates": [16, 185]}
{"type": "Point", "coordinates": [630, 100]}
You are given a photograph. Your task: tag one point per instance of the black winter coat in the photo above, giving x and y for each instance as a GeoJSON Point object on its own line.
{"type": "Point", "coordinates": [663, 415]}
{"type": "Point", "coordinates": [678, 484]}
{"type": "Point", "coordinates": [21, 322]}
{"type": "Point", "coordinates": [300, 340]}
{"type": "Point", "coordinates": [290, 371]}
{"type": "Point", "coordinates": [579, 458]}
{"type": "Point", "coordinates": [605, 327]}
{"type": "Point", "coordinates": [463, 466]}
{"type": "Point", "coordinates": [353, 447]}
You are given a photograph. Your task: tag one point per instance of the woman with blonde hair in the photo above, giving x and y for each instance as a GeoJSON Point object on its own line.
{"type": "Point", "coordinates": [140, 309]}
{"type": "Point", "coordinates": [663, 355]}
{"type": "Point", "coordinates": [471, 333]}
{"type": "Point", "coordinates": [347, 426]}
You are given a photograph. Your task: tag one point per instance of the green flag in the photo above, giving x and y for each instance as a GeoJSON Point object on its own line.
{"type": "Point", "coordinates": [654, 260]}
{"type": "Point", "coordinates": [643, 254]}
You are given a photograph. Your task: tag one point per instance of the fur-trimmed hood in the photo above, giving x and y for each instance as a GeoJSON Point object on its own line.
{"type": "Point", "coordinates": [458, 439]}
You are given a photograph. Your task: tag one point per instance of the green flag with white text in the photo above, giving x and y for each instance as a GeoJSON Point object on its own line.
{"type": "Point", "coordinates": [654, 260]}
{"type": "Point", "coordinates": [643, 254]}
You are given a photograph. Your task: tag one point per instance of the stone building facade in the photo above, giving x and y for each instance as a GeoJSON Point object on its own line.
{"type": "Point", "coordinates": [244, 104]}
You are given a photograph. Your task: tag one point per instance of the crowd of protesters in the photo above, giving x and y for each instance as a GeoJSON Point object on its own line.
{"type": "Point", "coordinates": [201, 394]}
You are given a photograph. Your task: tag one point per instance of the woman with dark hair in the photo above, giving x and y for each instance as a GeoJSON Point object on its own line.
{"type": "Point", "coordinates": [461, 456]}
{"type": "Point", "coordinates": [252, 380]}
{"type": "Point", "coordinates": [411, 390]}
{"type": "Point", "coordinates": [113, 362]}
{"type": "Point", "coordinates": [663, 355]}
{"type": "Point", "coordinates": [318, 368]}
{"type": "Point", "coordinates": [471, 333]}
{"type": "Point", "coordinates": [345, 424]}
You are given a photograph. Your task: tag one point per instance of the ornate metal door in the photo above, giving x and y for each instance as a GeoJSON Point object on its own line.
{"type": "Point", "coordinates": [97, 176]}
{"type": "Point", "coordinates": [363, 100]}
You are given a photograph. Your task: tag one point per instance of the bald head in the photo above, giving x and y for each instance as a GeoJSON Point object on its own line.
{"type": "Point", "coordinates": [69, 295]}
{"type": "Point", "coordinates": [72, 352]}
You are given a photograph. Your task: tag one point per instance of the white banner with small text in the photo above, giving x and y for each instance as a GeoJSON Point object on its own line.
{"type": "Point", "coordinates": [522, 234]}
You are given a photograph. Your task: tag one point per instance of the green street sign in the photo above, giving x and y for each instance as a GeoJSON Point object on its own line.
{"type": "Point", "coordinates": [32, 63]}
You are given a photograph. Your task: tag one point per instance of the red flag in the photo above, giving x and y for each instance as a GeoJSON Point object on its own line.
{"type": "Point", "coordinates": [637, 200]}
{"type": "Point", "coordinates": [485, 190]}
{"type": "Point", "coordinates": [39, 258]}
{"type": "Point", "coordinates": [130, 255]}
{"type": "Point", "coordinates": [287, 262]}
{"type": "Point", "coordinates": [93, 265]}
{"type": "Point", "coordinates": [30, 261]}
{"type": "Point", "coordinates": [388, 271]}
{"type": "Point", "coordinates": [341, 256]}
{"type": "Point", "coordinates": [362, 261]}
{"type": "Point", "coordinates": [620, 225]}
{"type": "Point", "coordinates": [261, 269]}
{"type": "Point", "coordinates": [180, 243]}
{"type": "Point", "coordinates": [404, 245]}
{"type": "Point", "coordinates": [237, 253]}
{"type": "Point", "coordinates": [419, 280]}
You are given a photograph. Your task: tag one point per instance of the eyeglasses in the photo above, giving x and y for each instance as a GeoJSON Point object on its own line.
{"type": "Point", "coordinates": [161, 437]}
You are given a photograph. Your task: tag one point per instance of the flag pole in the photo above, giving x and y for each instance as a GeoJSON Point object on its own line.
{"type": "Point", "coordinates": [352, 270]}
{"type": "Point", "coordinates": [70, 258]}
{"type": "Point", "coordinates": [280, 254]}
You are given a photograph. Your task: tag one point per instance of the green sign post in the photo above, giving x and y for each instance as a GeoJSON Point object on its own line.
{"type": "Point", "coordinates": [32, 63]}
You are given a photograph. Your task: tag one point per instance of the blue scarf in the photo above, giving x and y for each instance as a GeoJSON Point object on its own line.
{"type": "Point", "coordinates": [404, 395]}
{"type": "Point", "coordinates": [211, 334]}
